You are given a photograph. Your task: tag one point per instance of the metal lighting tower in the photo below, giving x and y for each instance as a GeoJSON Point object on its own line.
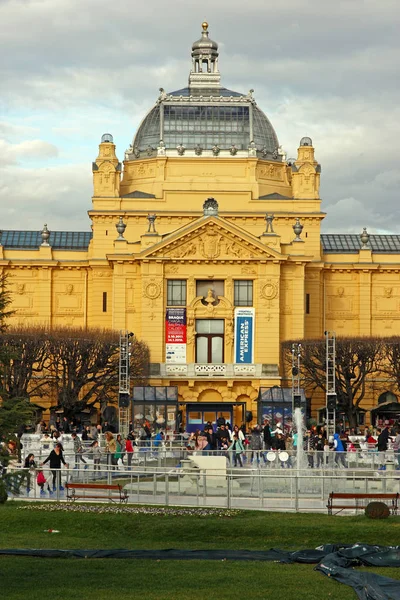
{"type": "Point", "coordinates": [124, 381]}
{"type": "Point", "coordinates": [296, 393]}
{"type": "Point", "coordinates": [331, 398]}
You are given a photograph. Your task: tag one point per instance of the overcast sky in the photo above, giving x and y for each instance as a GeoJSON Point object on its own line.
{"type": "Point", "coordinates": [74, 69]}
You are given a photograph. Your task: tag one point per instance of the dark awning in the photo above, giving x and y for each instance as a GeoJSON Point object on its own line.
{"type": "Point", "coordinates": [387, 408]}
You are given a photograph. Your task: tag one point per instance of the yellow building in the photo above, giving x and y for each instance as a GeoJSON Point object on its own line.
{"type": "Point", "coordinates": [206, 218]}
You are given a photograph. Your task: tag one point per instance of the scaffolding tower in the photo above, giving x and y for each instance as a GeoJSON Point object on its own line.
{"type": "Point", "coordinates": [124, 381]}
{"type": "Point", "coordinates": [331, 397]}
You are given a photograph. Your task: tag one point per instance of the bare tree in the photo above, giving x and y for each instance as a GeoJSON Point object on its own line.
{"type": "Point", "coordinates": [24, 359]}
{"type": "Point", "coordinates": [140, 362]}
{"type": "Point", "coordinates": [357, 359]}
{"type": "Point", "coordinates": [5, 301]}
{"type": "Point", "coordinates": [391, 364]}
{"type": "Point", "coordinates": [84, 366]}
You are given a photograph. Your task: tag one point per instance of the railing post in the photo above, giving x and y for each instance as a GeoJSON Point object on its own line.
{"type": "Point", "coordinates": [166, 489]}
{"type": "Point", "coordinates": [229, 499]}
{"type": "Point", "coordinates": [296, 494]}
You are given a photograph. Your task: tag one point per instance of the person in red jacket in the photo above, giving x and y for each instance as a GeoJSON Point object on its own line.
{"type": "Point", "coordinates": [130, 442]}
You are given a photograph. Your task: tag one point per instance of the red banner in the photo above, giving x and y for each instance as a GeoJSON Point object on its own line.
{"type": "Point", "coordinates": [175, 326]}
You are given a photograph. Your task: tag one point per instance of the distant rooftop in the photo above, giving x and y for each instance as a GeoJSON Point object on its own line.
{"type": "Point", "coordinates": [350, 243]}
{"type": "Point", "coordinates": [59, 240]}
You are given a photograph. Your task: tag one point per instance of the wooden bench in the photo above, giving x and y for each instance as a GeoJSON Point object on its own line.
{"type": "Point", "coordinates": [114, 492]}
{"type": "Point", "coordinates": [339, 496]}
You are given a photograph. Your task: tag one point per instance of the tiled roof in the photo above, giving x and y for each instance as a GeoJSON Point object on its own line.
{"type": "Point", "coordinates": [350, 243]}
{"type": "Point", "coordinates": [59, 240]}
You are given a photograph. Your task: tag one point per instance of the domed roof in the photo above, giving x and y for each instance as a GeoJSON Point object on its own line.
{"type": "Point", "coordinates": [206, 124]}
{"type": "Point", "coordinates": [205, 116]}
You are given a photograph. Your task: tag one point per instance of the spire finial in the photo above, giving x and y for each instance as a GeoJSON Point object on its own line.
{"type": "Point", "coordinates": [204, 72]}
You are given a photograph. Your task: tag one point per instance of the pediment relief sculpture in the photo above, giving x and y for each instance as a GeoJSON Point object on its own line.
{"type": "Point", "coordinates": [210, 246]}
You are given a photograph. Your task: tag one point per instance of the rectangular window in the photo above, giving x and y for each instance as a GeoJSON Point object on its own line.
{"type": "Point", "coordinates": [104, 301]}
{"type": "Point", "coordinates": [210, 341]}
{"type": "Point", "coordinates": [202, 287]}
{"type": "Point", "coordinates": [307, 304]}
{"type": "Point", "coordinates": [243, 293]}
{"type": "Point", "coordinates": [176, 292]}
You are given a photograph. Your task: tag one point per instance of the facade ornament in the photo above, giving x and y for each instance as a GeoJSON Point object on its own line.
{"type": "Point", "coordinates": [163, 94]}
{"type": "Point", "coordinates": [210, 207]}
{"type": "Point", "coordinates": [250, 94]}
{"type": "Point", "coordinates": [136, 152]}
{"type": "Point", "coordinates": [282, 153]}
{"type": "Point", "coordinates": [45, 233]}
{"type": "Point", "coordinates": [150, 150]}
{"type": "Point", "coordinates": [181, 149]}
{"type": "Point", "coordinates": [269, 227]}
{"type": "Point", "coordinates": [209, 300]}
{"type": "Point", "coordinates": [364, 237]}
{"type": "Point", "coordinates": [233, 150]}
{"type": "Point", "coordinates": [161, 148]}
{"type": "Point", "coordinates": [275, 154]}
{"type": "Point", "coordinates": [198, 150]}
{"type": "Point", "coordinates": [128, 151]}
{"type": "Point", "coordinates": [298, 228]}
{"type": "Point", "coordinates": [340, 291]}
{"type": "Point", "coordinates": [216, 149]}
{"type": "Point", "coordinates": [264, 152]}
{"type": "Point", "coordinates": [151, 217]}
{"type": "Point", "coordinates": [120, 227]}
{"type": "Point", "coordinates": [252, 149]}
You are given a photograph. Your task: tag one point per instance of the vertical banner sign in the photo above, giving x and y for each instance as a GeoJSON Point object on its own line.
{"type": "Point", "coordinates": [244, 335]}
{"type": "Point", "coordinates": [175, 335]}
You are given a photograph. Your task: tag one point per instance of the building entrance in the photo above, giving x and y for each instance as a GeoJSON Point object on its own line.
{"type": "Point", "coordinates": [197, 415]}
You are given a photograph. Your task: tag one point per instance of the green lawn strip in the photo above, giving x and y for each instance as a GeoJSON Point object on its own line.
{"type": "Point", "coordinates": [168, 580]}
{"type": "Point", "coordinates": [246, 530]}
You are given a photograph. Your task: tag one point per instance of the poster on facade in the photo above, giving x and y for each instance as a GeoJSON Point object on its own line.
{"type": "Point", "coordinates": [244, 335]}
{"type": "Point", "coordinates": [175, 335]}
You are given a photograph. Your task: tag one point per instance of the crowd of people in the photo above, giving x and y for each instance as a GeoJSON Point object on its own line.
{"type": "Point", "coordinates": [238, 446]}
{"type": "Point", "coordinates": [254, 447]}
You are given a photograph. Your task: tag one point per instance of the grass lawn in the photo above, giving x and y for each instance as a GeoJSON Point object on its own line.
{"type": "Point", "coordinates": [38, 578]}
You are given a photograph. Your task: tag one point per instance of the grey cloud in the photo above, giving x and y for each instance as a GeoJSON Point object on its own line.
{"type": "Point", "coordinates": [58, 196]}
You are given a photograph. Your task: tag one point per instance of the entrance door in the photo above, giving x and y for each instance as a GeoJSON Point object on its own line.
{"type": "Point", "coordinates": [197, 415]}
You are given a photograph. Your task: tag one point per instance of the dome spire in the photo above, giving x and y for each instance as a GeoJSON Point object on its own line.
{"type": "Point", "coordinates": [204, 72]}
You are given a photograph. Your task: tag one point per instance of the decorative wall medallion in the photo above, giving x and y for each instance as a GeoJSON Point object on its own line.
{"type": "Point", "coordinates": [152, 290]}
{"type": "Point", "coordinates": [269, 290]}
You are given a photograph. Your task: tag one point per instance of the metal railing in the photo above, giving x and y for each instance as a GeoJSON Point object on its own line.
{"type": "Point", "coordinates": [271, 489]}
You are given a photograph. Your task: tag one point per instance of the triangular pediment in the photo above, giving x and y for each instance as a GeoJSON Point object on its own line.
{"type": "Point", "coordinates": [211, 238]}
